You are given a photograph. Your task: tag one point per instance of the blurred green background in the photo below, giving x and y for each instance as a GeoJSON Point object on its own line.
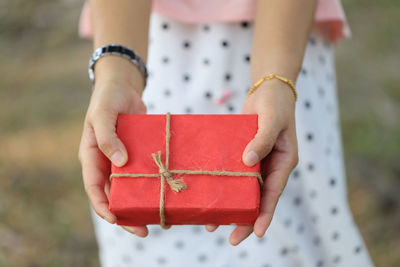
{"type": "Point", "coordinates": [44, 216]}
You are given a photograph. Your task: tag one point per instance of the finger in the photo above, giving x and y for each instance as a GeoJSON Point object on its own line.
{"type": "Point", "coordinates": [211, 227]}
{"type": "Point", "coordinates": [263, 142]}
{"type": "Point", "coordinates": [107, 187]}
{"type": "Point", "coordinates": [240, 233]}
{"type": "Point", "coordinates": [141, 231]}
{"type": "Point", "coordinates": [278, 166]}
{"type": "Point", "coordinates": [103, 123]}
{"type": "Point", "coordinates": [94, 170]}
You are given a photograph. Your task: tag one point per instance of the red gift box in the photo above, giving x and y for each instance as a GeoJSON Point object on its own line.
{"type": "Point", "coordinates": [195, 143]}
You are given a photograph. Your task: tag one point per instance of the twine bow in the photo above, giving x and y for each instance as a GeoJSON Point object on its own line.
{"type": "Point", "coordinates": [177, 185]}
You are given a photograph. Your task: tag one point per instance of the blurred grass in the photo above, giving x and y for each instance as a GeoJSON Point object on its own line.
{"type": "Point", "coordinates": [44, 216]}
{"type": "Point", "coordinates": [369, 82]}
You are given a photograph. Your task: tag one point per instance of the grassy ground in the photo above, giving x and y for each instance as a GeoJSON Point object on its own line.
{"type": "Point", "coordinates": [44, 216]}
{"type": "Point", "coordinates": [369, 85]}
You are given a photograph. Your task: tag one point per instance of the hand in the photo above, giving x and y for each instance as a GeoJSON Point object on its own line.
{"type": "Point", "coordinates": [118, 89]}
{"type": "Point", "coordinates": [275, 144]}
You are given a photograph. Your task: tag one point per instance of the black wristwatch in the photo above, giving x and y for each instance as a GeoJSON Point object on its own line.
{"type": "Point", "coordinates": [119, 50]}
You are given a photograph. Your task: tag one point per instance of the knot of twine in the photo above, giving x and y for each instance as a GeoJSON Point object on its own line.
{"type": "Point", "coordinates": [177, 185]}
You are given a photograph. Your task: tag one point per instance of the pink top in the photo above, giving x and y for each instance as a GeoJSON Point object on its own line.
{"type": "Point", "coordinates": [330, 19]}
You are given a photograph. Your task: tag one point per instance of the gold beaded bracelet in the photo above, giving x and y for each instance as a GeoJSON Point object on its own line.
{"type": "Point", "coordinates": [269, 77]}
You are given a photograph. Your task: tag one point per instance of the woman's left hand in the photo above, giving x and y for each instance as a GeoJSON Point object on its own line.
{"type": "Point", "coordinates": [275, 143]}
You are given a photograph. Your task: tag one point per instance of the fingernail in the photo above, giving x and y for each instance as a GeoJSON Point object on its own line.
{"type": "Point", "coordinates": [108, 218]}
{"type": "Point", "coordinates": [251, 158]}
{"type": "Point", "coordinates": [117, 158]}
{"type": "Point", "coordinates": [133, 230]}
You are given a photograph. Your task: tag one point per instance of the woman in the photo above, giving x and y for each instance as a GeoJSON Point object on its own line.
{"type": "Point", "coordinates": [203, 56]}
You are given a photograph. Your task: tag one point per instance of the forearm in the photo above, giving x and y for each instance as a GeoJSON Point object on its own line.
{"type": "Point", "coordinates": [124, 22]}
{"type": "Point", "coordinates": [281, 30]}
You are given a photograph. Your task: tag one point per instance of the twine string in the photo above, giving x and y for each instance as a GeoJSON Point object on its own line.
{"type": "Point", "coordinates": [177, 185]}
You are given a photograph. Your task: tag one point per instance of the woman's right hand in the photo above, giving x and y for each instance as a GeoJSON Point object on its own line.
{"type": "Point", "coordinates": [118, 89]}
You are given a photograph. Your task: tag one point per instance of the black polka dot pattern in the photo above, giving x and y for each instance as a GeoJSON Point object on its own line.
{"type": "Point", "coordinates": [335, 236]}
{"type": "Point", "coordinates": [300, 229]}
{"type": "Point", "coordinates": [307, 104]}
{"type": "Point", "coordinates": [191, 66]}
{"type": "Point", "coordinates": [220, 241]}
{"type": "Point", "coordinates": [186, 77]}
{"type": "Point", "coordinates": [208, 94]}
{"type": "Point", "coordinates": [179, 244]}
{"type": "Point", "coordinates": [167, 92]}
{"type": "Point", "coordinates": [296, 173]}
{"type": "Point", "coordinates": [310, 166]}
{"type": "Point", "coordinates": [243, 254]}
{"type": "Point", "coordinates": [334, 210]}
{"type": "Point", "coordinates": [228, 77]}
{"type": "Point", "coordinates": [202, 258]}
{"type": "Point", "coordinates": [139, 246]}
{"type": "Point", "coordinates": [317, 240]}
{"type": "Point", "coordinates": [165, 60]}
{"type": "Point", "coordinates": [245, 24]}
{"type": "Point", "coordinates": [165, 26]}
{"type": "Point", "coordinates": [186, 44]}
{"type": "Point", "coordinates": [161, 261]}
{"type": "Point", "coordinates": [284, 251]}
{"type": "Point", "coordinates": [188, 110]}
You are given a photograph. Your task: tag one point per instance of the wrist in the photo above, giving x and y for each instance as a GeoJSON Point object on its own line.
{"type": "Point", "coordinates": [281, 63]}
{"type": "Point", "coordinates": [275, 91]}
{"type": "Point", "coordinates": [288, 72]}
{"type": "Point", "coordinates": [115, 68]}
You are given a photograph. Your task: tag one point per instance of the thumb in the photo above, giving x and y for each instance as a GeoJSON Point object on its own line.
{"type": "Point", "coordinates": [263, 142]}
{"type": "Point", "coordinates": [107, 140]}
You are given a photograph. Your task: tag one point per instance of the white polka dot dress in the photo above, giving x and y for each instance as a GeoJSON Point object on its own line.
{"type": "Point", "coordinates": [205, 68]}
